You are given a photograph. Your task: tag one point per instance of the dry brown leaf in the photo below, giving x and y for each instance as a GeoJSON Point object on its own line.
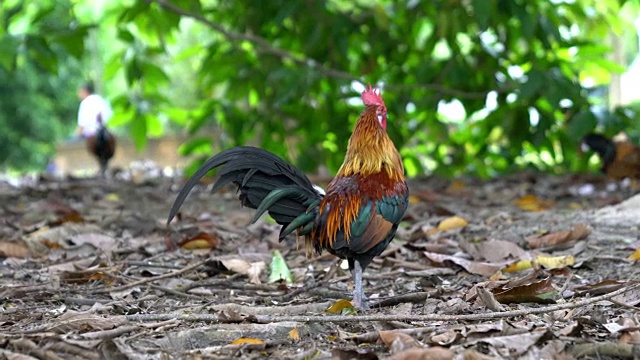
{"type": "Point", "coordinates": [84, 276]}
{"type": "Point", "coordinates": [630, 337]}
{"type": "Point", "coordinates": [493, 250]}
{"type": "Point", "coordinates": [473, 267]}
{"type": "Point", "coordinates": [241, 341]}
{"type": "Point", "coordinates": [431, 353]}
{"type": "Point", "coordinates": [456, 187]}
{"type": "Point", "coordinates": [533, 203]}
{"type": "Point", "coordinates": [99, 241]}
{"type": "Point", "coordinates": [573, 329]}
{"type": "Point", "coordinates": [69, 216]}
{"type": "Point", "coordinates": [350, 354]}
{"type": "Point", "coordinates": [255, 270]}
{"type": "Point", "coordinates": [540, 292]}
{"type": "Point", "coordinates": [200, 241]}
{"type": "Point", "coordinates": [600, 288]}
{"type": "Point", "coordinates": [489, 299]}
{"type": "Point", "coordinates": [243, 267]}
{"type": "Point", "coordinates": [294, 334]}
{"type": "Point", "coordinates": [13, 249]}
{"type": "Point", "coordinates": [397, 341]}
{"type": "Point", "coordinates": [577, 232]}
{"type": "Point", "coordinates": [511, 346]}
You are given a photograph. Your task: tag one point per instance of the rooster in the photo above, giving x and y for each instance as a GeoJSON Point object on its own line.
{"type": "Point", "coordinates": [355, 218]}
{"type": "Point", "coordinates": [102, 145]}
{"type": "Point", "coordinates": [620, 159]}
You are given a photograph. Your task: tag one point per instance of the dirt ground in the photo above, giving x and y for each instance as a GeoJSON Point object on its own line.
{"type": "Point", "coordinates": [524, 266]}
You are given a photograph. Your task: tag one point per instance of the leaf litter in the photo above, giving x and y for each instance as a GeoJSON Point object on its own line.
{"type": "Point", "coordinates": [88, 265]}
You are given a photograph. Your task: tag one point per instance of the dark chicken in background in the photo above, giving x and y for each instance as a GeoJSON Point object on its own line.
{"type": "Point", "coordinates": [620, 159]}
{"type": "Point", "coordinates": [102, 145]}
{"type": "Point", "coordinates": [359, 214]}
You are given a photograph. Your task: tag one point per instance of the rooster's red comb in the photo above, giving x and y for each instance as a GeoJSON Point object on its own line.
{"type": "Point", "coordinates": [371, 96]}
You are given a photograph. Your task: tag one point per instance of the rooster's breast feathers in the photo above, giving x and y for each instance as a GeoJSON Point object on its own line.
{"type": "Point", "coordinates": [358, 213]}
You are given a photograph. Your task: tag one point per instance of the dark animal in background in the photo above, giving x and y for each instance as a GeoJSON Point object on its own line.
{"type": "Point", "coordinates": [620, 159]}
{"type": "Point", "coordinates": [102, 145]}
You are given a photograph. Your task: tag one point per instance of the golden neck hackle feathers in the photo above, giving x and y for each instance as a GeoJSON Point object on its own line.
{"type": "Point", "coordinates": [370, 150]}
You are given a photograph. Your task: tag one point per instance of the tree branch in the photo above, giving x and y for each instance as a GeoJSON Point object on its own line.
{"type": "Point", "coordinates": [384, 317]}
{"type": "Point", "coordinates": [300, 59]}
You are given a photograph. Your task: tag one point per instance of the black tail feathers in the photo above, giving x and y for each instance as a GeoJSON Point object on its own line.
{"type": "Point", "coordinates": [265, 181]}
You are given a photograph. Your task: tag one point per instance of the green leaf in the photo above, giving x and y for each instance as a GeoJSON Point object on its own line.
{"type": "Point", "coordinates": [581, 124]}
{"type": "Point", "coordinates": [482, 12]}
{"type": "Point", "coordinates": [138, 131]}
{"type": "Point", "coordinates": [200, 145]}
{"type": "Point", "coordinates": [279, 269]}
{"type": "Point", "coordinates": [535, 81]}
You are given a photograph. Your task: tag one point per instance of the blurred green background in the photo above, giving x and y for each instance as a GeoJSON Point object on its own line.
{"type": "Point", "coordinates": [478, 87]}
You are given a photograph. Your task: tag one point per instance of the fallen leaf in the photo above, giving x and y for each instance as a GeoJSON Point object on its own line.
{"type": "Point", "coordinates": [493, 250]}
{"type": "Point", "coordinates": [13, 249]}
{"type": "Point", "coordinates": [255, 270]}
{"type": "Point", "coordinates": [457, 186]}
{"type": "Point", "coordinates": [238, 266]}
{"type": "Point", "coordinates": [99, 241]}
{"type": "Point", "coordinates": [244, 267]}
{"type": "Point", "coordinates": [511, 346]}
{"type": "Point", "coordinates": [453, 222]}
{"type": "Point", "coordinates": [200, 241]}
{"type": "Point", "coordinates": [473, 267]}
{"type": "Point", "coordinates": [341, 306]}
{"type": "Point", "coordinates": [349, 354]}
{"type": "Point", "coordinates": [573, 329]}
{"type": "Point", "coordinates": [112, 197]}
{"type": "Point", "coordinates": [431, 353]}
{"type": "Point", "coordinates": [556, 262]}
{"type": "Point", "coordinates": [84, 276]}
{"type": "Point", "coordinates": [549, 262]}
{"type": "Point", "coordinates": [577, 232]}
{"type": "Point", "coordinates": [600, 288]}
{"type": "Point", "coordinates": [635, 255]}
{"type": "Point", "coordinates": [241, 341]}
{"type": "Point", "coordinates": [489, 300]}
{"type": "Point", "coordinates": [539, 292]}
{"type": "Point", "coordinates": [279, 269]}
{"type": "Point", "coordinates": [294, 334]}
{"type": "Point", "coordinates": [397, 341]}
{"type": "Point", "coordinates": [533, 203]}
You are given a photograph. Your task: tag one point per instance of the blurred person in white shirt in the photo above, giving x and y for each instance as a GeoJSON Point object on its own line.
{"type": "Point", "coordinates": [93, 109]}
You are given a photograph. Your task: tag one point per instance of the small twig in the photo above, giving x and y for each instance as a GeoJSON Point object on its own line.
{"type": "Point", "coordinates": [111, 333]}
{"type": "Point", "coordinates": [416, 297]}
{"type": "Point", "coordinates": [152, 265]}
{"type": "Point", "coordinates": [415, 318]}
{"type": "Point", "coordinates": [229, 285]}
{"type": "Point", "coordinates": [148, 280]}
{"type": "Point", "coordinates": [174, 292]}
{"type": "Point", "coordinates": [290, 296]}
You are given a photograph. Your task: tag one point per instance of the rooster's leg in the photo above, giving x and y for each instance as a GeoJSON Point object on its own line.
{"type": "Point", "coordinates": [358, 294]}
